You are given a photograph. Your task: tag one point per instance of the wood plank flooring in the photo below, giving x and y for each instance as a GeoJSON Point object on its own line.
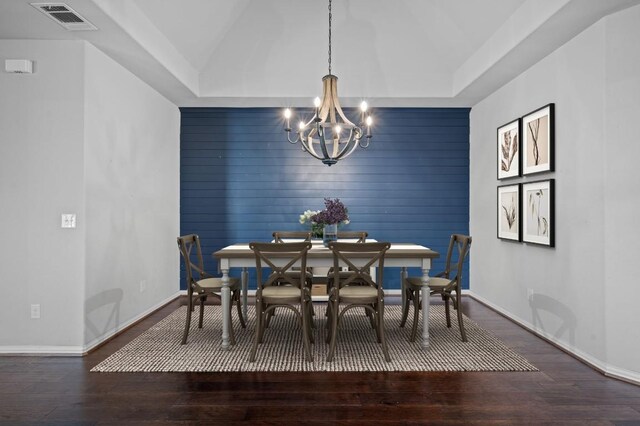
{"type": "Point", "coordinates": [60, 390]}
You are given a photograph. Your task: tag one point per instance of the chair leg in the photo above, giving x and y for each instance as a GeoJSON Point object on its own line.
{"type": "Point", "coordinates": [329, 324]}
{"type": "Point", "coordinates": [188, 323]}
{"type": "Point", "coordinates": [372, 318]}
{"type": "Point", "coordinates": [446, 309]}
{"type": "Point", "coordinates": [202, 300]}
{"type": "Point", "coordinates": [268, 318]}
{"type": "Point", "coordinates": [377, 323]}
{"type": "Point", "coordinates": [312, 324]}
{"type": "Point", "coordinates": [232, 335]}
{"type": "Point", "coordinates": [306, 336]}
{"type": "Point", "coordinates": [239, 306]}
{"type": "Point", "coordinates": [334, 332]}
{"type": "Point", "coordinates": [459, 309]}
{"type": "Point", "coordinates": [383, 340]}
{"type": "Point", "coordinates": [416, 314]}
{"type": "Point", "coordinates": [405, 312]}
{"type": "Point", "coordinates": [256, 337]}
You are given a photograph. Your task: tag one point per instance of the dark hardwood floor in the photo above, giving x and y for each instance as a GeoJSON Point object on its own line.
{"type": "Point", "coordinates": [60, 390]}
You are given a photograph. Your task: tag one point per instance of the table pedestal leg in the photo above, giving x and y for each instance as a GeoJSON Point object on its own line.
{"type": "Point", "coordinates": [425, 308]}
{"type": "Point", "coordinates": [226, 308]}
{"type": "Point", "coordinates": [245, 290]}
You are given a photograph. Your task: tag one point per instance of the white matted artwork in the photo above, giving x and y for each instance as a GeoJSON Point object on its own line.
{"type": "Point", "coordinates": [509, 212]}
{"type": "Point", "coordinates": [508, 145]}
{"type": "Point", "coordinates": [538, 141]}
{"type": "Point", "coordinates": [538, 212]}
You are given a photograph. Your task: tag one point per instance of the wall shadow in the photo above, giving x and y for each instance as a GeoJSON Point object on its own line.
{"type": "Point", "coordinates": [540, 303]}
{"type": "Point", "coordinates": [108, 300]}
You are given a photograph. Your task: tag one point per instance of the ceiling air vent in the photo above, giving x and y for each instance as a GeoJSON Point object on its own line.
{"type": "Point", "coordinates": [65, 16]}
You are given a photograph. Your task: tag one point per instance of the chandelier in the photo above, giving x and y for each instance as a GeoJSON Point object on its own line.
{"type": "Point", "coordinates": [329, 136]}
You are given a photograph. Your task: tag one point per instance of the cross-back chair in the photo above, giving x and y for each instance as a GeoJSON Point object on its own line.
{"type": "Point", "coordinates": [287, 236]}
{"type": "Point", "coordinates": [283, 288]}
{"type": "Point", "coordinates": [360, 237]}
{"type": "Point", "coordinates": [357, 288]}
{"type": "Point", "coordinates": [442, 284]}
{"type": "Point", "coordinates": [201, 285]}
{"type": "Point", "coordinates": [280, 236]}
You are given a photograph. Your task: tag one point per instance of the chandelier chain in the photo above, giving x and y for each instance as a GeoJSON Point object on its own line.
{"type": "Point", "coordinates": [330, 16]}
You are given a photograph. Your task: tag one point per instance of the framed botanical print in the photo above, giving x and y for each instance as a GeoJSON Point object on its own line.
{"type": "Point", "coordinates": [538, 141]}
{"type": "Point", "coordinates": [509, 212]}
{"type": "Point", "coordinates": [538, 212]}
{"type": "Point", "coordinates": [509, 150]}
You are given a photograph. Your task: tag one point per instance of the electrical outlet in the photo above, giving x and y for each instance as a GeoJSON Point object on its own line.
{"type": "Point", "coordinates": [530, 294]}
{"type": "Point", "coordinates": [143, 286]}
{"type": "Point", "coordinates": [68, 220]}
{"type": "Point", "coordinates": [35, 311]}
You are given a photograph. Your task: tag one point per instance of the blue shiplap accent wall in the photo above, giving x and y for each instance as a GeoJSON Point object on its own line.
{"type": "Point", "coordinates": [241, 180]}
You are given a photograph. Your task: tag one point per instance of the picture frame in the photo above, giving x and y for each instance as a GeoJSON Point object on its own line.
{"type": "Point", "coordinates": [508, 212]}
{"type": "Point", "coordinates": [538, 212]}
{"type": "Point", "coordinates": [538, 140]}
{"type": "Point", "coordinates": [509, 149]}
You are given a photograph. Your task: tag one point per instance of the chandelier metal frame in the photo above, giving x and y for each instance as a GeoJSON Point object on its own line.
{"type": "Point", "coordinates": [323, 135]}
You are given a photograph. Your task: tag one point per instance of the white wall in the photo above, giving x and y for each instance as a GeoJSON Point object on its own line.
{"type": "Point", "coordinates": [41, 177]}
{"type": "Point", "coordinates": [594, 81]}
{"type": "Point", "coordinates": [622, 191]}
{"type": "Point", "coordinates": [132, 180]}
{"type": "Point", "coordinates": [83, 135]}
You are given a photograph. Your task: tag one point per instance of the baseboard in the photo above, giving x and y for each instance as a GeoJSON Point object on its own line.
{"type": "Point", "coordinates": [36, 350]}
{"type": "Point", "coordinates": [598, 365]}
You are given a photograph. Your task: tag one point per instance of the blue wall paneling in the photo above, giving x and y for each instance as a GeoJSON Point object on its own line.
{"type": "Point", "coordinates": [240, 179]}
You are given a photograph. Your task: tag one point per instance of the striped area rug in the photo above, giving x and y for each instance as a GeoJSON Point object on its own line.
{"type": "Point", "coordinates": [159, 349]}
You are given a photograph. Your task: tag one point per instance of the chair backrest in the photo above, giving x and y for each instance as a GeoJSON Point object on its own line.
{"type": "Point", "coordinates": [278, 236]}
{"type": "Point", "coordinates": [274, 256]}
{"type": "Point", "coordinates": [193, 262]}
{"type": "Point", "coordinates": [361, 236]}
{"type": "Point", "coordinates": [359, 258]}
{"type": "Point", "coordinates": [462, 244]}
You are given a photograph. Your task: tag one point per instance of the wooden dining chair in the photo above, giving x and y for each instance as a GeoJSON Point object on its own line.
{"type": "Point", "coordinates": [442, 284]}
{"type": "Point", "coordinates": [201, 285]}
{"type": "Point", "coordinates": [358, 289]}
{"type": "Point", "coordinates": [282, 288]}
{"type": "Point", "coordinates": [360, 237]}
{"type": "Point", "coordinates": [280, 236]}
{"type": "Point", "coordinates": [288, 236]}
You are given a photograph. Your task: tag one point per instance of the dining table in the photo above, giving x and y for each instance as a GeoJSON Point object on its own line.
{"type": "Point", "coordinates": [402, 255]}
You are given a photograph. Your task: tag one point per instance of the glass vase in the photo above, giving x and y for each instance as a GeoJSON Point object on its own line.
{"type": "Point", "coordinates": [329, 233]}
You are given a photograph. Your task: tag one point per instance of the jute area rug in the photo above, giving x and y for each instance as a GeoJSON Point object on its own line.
{"type": "Point", "coordinates": [159, 349]}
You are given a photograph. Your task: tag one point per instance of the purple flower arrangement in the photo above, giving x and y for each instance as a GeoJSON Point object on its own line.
{"type": "Point", "coordinates": [335, 212]}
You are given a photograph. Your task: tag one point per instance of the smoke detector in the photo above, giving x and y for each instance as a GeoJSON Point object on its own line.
{"type": "Point", "coordinates": [65, 16]}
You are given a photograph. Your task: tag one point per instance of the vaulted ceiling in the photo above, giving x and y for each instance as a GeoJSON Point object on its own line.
{"type": "Point", "coordinates": [274, 52]}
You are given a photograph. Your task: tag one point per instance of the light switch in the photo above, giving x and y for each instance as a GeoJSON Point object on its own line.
{"type": "Point", "coordinates": [68, 220]}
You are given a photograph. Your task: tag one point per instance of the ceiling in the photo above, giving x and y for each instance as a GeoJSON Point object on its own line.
{"type": "Point", "coordinates": [274, 52]}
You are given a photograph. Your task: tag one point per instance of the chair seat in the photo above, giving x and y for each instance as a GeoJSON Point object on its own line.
{"type": "Point", "coordinates": [215, 284]}
{"type": "Point", "coordinates": [358, 292]}
{"type": "Point", "coordinates": [434, 282]}
{"type": "Point", "coordinates": [281, 292]}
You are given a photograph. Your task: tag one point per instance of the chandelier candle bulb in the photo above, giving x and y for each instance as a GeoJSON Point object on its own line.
{"type": "Point", "coordinates": [287, 116]}
{"type": "Point", "coordinates": [363, 108]}
{"type": "Point", "coordinates": [316, 103]}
